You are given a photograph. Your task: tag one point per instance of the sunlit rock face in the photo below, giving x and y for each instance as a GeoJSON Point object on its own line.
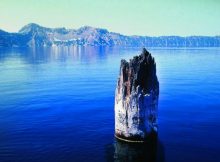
{"type": "Point", "coordinates": [136, 98]}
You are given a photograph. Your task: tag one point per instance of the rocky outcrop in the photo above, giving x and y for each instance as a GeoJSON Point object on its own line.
{"type": "Point", "coordinates": [136, 99]}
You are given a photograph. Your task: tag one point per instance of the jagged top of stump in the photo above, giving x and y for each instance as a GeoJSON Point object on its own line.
{"type": "Point", "coordinates": [140, 71]}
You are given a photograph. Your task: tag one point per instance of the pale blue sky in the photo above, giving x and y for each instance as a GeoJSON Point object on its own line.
{"type": "Point", "coordinates": [131, 17]}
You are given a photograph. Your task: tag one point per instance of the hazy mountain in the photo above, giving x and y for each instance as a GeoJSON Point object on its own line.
{"type": "Point", "coordinates": [36, 35]}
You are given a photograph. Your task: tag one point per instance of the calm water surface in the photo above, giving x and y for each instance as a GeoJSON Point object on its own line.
{"type": "Point", "coordinates": [57, 104]}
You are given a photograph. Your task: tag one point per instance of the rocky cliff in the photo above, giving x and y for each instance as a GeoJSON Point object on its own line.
{"type": "Point", "coordinates": [136, 98]}
{"type": "Point", "coordinates": [34, 35]}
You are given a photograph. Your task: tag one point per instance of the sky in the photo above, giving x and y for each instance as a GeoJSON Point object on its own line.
{"type": "Point", "coordinates": [130, 17]}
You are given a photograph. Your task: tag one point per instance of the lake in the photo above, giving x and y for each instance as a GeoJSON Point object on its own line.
{"type": "Point", "coordinates": [57, 104]}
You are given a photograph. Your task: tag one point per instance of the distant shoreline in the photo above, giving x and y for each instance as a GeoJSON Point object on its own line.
{"type": "Point", "coordinates": [34, 35]}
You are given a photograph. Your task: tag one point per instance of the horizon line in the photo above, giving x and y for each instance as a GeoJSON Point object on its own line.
{"type": "Point", "coordinates": [32, 23]}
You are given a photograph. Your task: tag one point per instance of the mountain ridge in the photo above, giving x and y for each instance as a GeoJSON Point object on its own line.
{"type": "Point", "coordinates": [33, 34]}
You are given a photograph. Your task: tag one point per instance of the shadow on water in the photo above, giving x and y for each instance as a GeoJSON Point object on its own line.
{"type": "Point", "coordinates": [121, 151]}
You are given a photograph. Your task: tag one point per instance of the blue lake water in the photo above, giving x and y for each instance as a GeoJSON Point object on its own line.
{"type": "Point", "coordinates": [57, 104]}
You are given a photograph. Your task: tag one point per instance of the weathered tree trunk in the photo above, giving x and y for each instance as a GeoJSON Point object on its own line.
{"type": "Point", "coordinates": [136, 99]}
